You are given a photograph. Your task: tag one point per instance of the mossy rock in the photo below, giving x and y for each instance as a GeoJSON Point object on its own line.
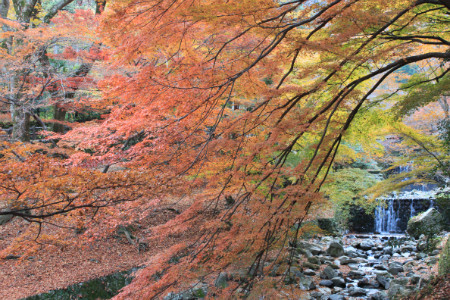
{"type": "Point", "coordinates": [444, 259]}
{"type": "Point", "coordinates": [329, 225]}
{"type": "Point", "coordinates": [429, 223]}
{"type": "Point", "coordinates": [100, 288]}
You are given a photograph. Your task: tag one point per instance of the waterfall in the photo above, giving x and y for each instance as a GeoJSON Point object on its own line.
{"type": "Point", "coordinates": [412, 211]}
{"type": "Point", "coordinates": [393, 213]}
{"type": "Point", "coordinates": [387, 217]}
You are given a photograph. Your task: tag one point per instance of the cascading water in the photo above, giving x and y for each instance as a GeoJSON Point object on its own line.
{"type": "Point", "coordinates": [387, 217]}
{"type": "Point", "coordinates": [393, 213]}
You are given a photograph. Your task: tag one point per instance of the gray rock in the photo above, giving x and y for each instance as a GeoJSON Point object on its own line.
{"type": "Point", "coordinates": [400, 280]}
{"type": "Point", "coordinates": [314, 249]}
{"type": "Point", "coordinates": [221, 281]}
{"type": "Point", "coordinates": [388, 250]}
{"type": "Point", "coordinates": [428, 223]}
{"type": "Point", "coordinates": [380, 267]}
{"type": "Point", "coordinates": [421, 246]}
{"type": "Point", "coordinates": [380, 295]}
{"type": "Point", "coordinates": [421, 255]}
{"type": "Point", "coordinates": [356, 291]}
{"type": "Point", "coordinates": [366, 245]}
{"type": "Point", "coordinates": [336, 267]}
{"type": "Point", "coordinates": [314, 260]}
{"type": "Point", "coordinates": [397, 290]}
{"type": "Point", "coordinates": [408, 266]}
{"type": "Point", "coordinates": [309, 272]}
{"type": "Point", "coordinates": [304, 252]}
{"type": "Point", "coordinates": [434, 252]}
{"type": "Point", "coordinates": [335, 249]}
{"type": "Point", "coordinates": [368, 283]}
{"type": "Point", "coordinates": [338, 281]}
{"type": "Point", "coordinates": [414, 279]}
{"type": "Point", "coordinates": [196, 292]}
{"type": "Point", "coordinates": [292, 276]}
{"type": "Point", "coordinates": [350, 252]}
{"type": "Point", "coordinates": [327, 283]}
{"type": "Point", "coordinates": [336, 297]}
{"type": "Point", "coordinates": [325, 290]}
{"type": "Point", "coordinates": [345, 260]}
{"type": "Point", "coordinates": [316, 295]}
{"type": "Point", "coordinates": [311, 266]}
{"type": "Point", "coordinates": [407, 248]}
{"type": "Point", "coordinates": [306, 283]}
{"type": "Point", "coordinates": [395, 268]}
{"type": "Point", "coordinates": [356, 274]}
{"type": "Point", "coordinates": [422, 283]}
{"type": "Point", "coordinates": [328, 273]}
{"type": "Point", "coordinates": [325, 260]}
{"type": "Point", "coordinates": [384, 281]}
{"type": "Point", "coordinates": [385, 257]}
{"type": "Point", "coordinates": [432, 260]}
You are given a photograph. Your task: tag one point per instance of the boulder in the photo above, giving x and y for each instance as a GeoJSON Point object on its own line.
{"type": "Point", "coordinates": [221, 280]}
{"type": "Point", "coordinates": [395, 268]}
{"type": "Point", "coordinates": [314, 260]}
{"type": "Point", "coordinates": [293, 275]}
{"type": "Point", "coordinates": [309, 272]}
{"type": "Point", "coordinates": [336, 297]}
{"type": "Point", "coordinates": [428, 223]}
{"type": "Point", "coordinates": [388, 250]}
{"type": "Point", "coordinates": [350, 252]}
{"type": "Point", "coordinates": [328, 273]}
{"type": "Point", "coordinates": [380, 295]}
{"type": "Point", "coordinates": [380, 267]}
{"type": "Point", "coordinates": [338, 281]}
{"type": "Point", "coordinates": [366, 245]}
{"type": "Point", "coordinates": [309, 265]}
{"type": "Point", "coordinates": [368, 283]}
{"type": "Point", "coordinates": [398, 288]}
{"type": "Point", "coordinates": [328, 224]}
{"type": "Point", "coordinates": [384, 281]}
{"type": "Point", "coordinates": [345, 260]}
{"type": "Point", "coordinates": [314, 249]}
{"type": "Point", "coordinates": [357, 292]}
{"type": "Point", "coordinates": [306, 283]}
{"type": "Point", "coordinates": [335, 249]}
{"type": "Point", "coordinates": [414, 279]}
{"type": "Point", "coordinates": [327, 283]}
{"type": "Point", "coordinates": [356, 274]}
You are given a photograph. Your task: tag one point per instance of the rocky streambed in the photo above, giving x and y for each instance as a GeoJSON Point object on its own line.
{"type": "Point", "coordinates": [350, 267]}
{"type": "Point", "coordinates": [364, 267]}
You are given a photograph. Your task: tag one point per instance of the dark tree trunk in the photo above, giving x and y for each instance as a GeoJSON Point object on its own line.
{"type": "Point", "coordinates": [59, 115]}
{"type": "Point", "coordinates": [21, 123]}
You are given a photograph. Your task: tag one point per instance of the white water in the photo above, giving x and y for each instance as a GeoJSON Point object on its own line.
{"type": "Point", "coordinates": [390, 211]}
{"type": "Point", "coordinates": [386, 218]}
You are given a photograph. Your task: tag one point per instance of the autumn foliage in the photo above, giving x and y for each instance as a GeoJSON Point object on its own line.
{"type": "Point", "coordinates": [236, 109]}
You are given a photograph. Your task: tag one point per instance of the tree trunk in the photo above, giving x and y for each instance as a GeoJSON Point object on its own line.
{"type": "Point", "coordinates": [60, 115]}
{"type": "Point", "coordinates": [21, 123]}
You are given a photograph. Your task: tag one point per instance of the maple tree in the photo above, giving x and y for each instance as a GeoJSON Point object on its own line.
{"type": "Point", "coordinates": [244, 105]}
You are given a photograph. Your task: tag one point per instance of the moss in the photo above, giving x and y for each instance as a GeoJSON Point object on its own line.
{"type": "Point", "coordinates": [444, 259]}
{"type": "Point", "coordinates": [199, 293]}
{"type": "Point", "coordinates": [100, 288]}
